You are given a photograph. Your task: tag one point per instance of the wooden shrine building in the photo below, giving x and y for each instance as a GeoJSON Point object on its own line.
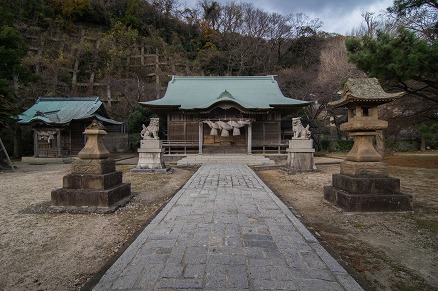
{"type": "Point", "coordinates": [224, 114]}
{"type": "Point", "coordinates": [58, 124]}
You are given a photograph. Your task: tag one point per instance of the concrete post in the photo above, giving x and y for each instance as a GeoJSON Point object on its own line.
{"type": "Point", "coordinates": [249, 138]}
{"type": "Point", "coordinates": [36, 152]}
{"type": "Point", "coordinates": [201, 136]}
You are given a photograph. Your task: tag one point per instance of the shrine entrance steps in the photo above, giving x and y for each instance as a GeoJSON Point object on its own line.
{"type": "Point", "coordinates": [224, 149]}
{"type": "Point", "coordinates": [225, 159]}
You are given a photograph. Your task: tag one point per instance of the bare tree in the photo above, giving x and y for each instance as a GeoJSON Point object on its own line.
{"type": "Point", "coordinates": [211, 10]}
{"type": "Point", "coordinates": [231, 18]}
{"type": "Point", "coordinates": [256, 21]}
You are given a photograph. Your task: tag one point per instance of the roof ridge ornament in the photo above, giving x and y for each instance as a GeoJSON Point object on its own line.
{"type": "Point", "coordinates": [225, 94]}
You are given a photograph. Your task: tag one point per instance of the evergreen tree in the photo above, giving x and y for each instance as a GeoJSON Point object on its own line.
{"type": "Point", "coordinates": [406, 61]}
{"type": "Point", "coordinates": [12, 50]}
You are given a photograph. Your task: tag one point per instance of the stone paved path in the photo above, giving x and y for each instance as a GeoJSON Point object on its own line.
{"type": "Point", "coordinates": [226, 230]}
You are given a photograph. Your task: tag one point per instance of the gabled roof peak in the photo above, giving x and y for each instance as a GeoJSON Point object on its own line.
{"type": "Point", "coordinates": [225, 94]}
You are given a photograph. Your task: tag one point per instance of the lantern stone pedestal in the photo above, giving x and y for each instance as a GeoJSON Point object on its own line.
{"type": "Point", "coordinates": [150, 158]}
{"type": "Point", "coordinates": [366, 187]}
{"type": "Point", "coordinates": [363, 183]}
{"type": "Point", "coordinates": [94, 185]}
{"type": "Point", "coordinates": [299, 156]}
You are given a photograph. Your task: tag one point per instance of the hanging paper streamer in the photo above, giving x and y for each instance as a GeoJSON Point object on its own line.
{"type": "Point", "coordinates": [214, 127]}
{"type": "Point", "coordinates": [225, 127]}
{"type": "Point", "coordinates": [237, 125]}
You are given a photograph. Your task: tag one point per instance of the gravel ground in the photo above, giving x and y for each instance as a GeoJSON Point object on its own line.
{"type": "Point", "coordinates": [62, 251]}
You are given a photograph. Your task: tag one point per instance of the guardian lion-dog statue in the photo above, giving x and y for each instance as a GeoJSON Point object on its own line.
{"type": "Point", "coordinates": [151, 132]}
{"type": "Point", "coordinates": [299, 131]}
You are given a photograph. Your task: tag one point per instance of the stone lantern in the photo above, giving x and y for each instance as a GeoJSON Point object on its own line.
{"type": "Point", "coordinates": [93, 185]}
{"type": "Point", "coordinates": [364, 183]}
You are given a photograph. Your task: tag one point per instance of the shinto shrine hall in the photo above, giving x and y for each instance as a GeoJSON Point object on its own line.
{"type": "Point", "coordinates": [224, 114]}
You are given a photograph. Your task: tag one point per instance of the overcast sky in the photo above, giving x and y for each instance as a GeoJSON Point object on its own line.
{"type": "Point", "coordinates": [338, 16]}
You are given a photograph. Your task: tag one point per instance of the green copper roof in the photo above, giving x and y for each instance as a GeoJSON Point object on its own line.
{"type": "Point", "coordinates": [59, 111]}
{"type": "Point", "coordinates": [255, 92]}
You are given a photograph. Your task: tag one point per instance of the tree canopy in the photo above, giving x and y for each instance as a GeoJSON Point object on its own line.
{"type": "Point", "coordinates": [401, 49]}
{"type": "Point", "coordinates": [12, 50]}
{"type": "Point", "coordinates": [405, 61]}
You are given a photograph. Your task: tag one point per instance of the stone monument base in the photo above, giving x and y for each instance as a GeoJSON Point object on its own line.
{"type": "Point", "coordinates": [366, 169]}
{"type": "Point", "coordinates": [93, 186]}
{"type": "Point", "coordinates": [299, 156]}
{"type": "Point", "coordinates": [364, 188]}
{"type": "Point", "coordinates": [150, 158]}
{"type": "Point", "coordinates": [165, 170]}
{"type": "Point", "coordinates": [90, 200]}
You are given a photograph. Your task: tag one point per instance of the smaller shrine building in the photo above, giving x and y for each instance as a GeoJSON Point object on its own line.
{"type": "Point", "coordinates": [224, 114]}
{"type": "Point", "coordinates": [58, 125]}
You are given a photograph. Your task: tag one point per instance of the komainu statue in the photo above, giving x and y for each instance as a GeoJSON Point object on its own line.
{"type": "Point", "coordinates": [151, 132]}
{"type": "Point", "coordinates": [299, 131]}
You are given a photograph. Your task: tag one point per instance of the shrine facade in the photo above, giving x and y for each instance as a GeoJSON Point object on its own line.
{"type": "Point", "coordinates": [224, 114]}
{"type": "Point", "coordinates": [58, 125]}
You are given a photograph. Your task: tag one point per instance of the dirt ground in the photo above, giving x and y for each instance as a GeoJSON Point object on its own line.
{"type": "Point", "coordinates": [390, 251]}
{"type": "Point", "coordinates": [62, 251]}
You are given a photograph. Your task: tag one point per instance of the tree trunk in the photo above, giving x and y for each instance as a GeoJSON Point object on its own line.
{"type": "Point", "coordinates": [423, 144]}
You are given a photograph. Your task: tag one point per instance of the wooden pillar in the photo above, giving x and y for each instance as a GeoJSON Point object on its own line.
{"type": "Point", "coordinates": [58, 143]}
{"type": "Point", "coordinates": [201, 136]}
{"type": "Point", "coordinates": [36, 152]}
{"type": "Point", "coordinates": [249, 139]}
{"type": "Point", "coordinates": [69, 142]}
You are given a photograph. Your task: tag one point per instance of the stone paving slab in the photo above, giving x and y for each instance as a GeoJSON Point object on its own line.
{"type": "Point", "coordinates": [226, 230]}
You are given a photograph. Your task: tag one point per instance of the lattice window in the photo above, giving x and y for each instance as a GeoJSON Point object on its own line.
{"type": "Point", "coordinates": [176, 131]}
{"type": "Point", "coordinates": [257, 133]}
{"type": "Point", "coordinates": [192, 130]}
{"type": "Point", "coordinates": [272, 132]}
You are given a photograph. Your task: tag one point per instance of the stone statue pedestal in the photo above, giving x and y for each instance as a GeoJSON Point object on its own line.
{"type": "Point", "coordinates": [94, 185]}
{"type": "Point", "coordinates": [150, 157]}
{"type": "Point", "coordinates": [366, 186]}
{"type": "Point", "coordinates": [299, 156]}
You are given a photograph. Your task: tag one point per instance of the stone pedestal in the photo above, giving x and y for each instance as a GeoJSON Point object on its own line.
{"type": "Point", "coordinates": [93, 185]}
{"type": "Point", "coordinates": [150, 157]}
{"type": "Point", "coordinates": [300, 156]}
{"type": "Point", "coordinates": [366, 186]}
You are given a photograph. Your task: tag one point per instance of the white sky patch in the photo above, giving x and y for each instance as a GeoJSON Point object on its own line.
{"type": "Point", "coordinates": [343, 22]}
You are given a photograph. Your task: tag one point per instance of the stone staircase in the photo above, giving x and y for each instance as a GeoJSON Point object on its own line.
{"type": "Point", "coordinates": [225, 159]}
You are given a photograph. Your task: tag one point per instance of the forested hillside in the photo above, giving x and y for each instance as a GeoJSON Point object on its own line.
{"type": "Point", "coordinates": [124, 51]}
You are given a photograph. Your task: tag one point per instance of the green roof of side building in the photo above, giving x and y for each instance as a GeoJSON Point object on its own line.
{"type": "Point", "coordinates": [61, 111]}
{"type": "Point", "coordinates": [197, 93]}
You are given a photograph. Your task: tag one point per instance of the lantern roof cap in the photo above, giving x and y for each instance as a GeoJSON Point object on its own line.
{"type": "Point", "coordinates": [364, 90]}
